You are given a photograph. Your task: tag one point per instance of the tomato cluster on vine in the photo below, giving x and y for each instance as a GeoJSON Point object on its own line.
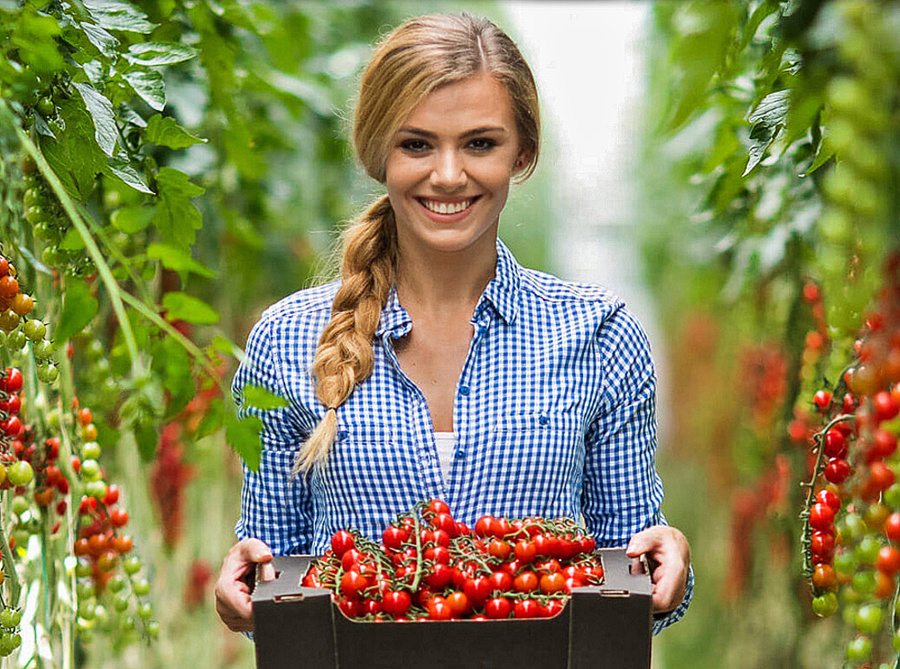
{"type": "Point", "coordinates": [431, 567]}
{"type": "Point", "coordinates": [852, 529]}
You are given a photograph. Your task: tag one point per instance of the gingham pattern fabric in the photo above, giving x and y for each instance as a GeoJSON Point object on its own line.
{"type": "Point", "coordinates": [554, 415]}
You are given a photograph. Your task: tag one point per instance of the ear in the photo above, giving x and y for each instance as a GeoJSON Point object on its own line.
{"type": "Point", "coordinates": [522, 161]}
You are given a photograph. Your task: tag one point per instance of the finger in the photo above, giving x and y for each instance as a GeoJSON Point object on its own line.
{"type": "Point", "coordinates": [643, 542]}
{"type": "Point", "coordinates": [267, 571]}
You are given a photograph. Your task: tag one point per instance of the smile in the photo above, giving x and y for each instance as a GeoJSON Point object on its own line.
{"type": "Point", "coordinates": [447, 208]}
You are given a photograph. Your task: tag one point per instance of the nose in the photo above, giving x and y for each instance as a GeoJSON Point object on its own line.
{"type": "Point", "coordinates": [449, 171]}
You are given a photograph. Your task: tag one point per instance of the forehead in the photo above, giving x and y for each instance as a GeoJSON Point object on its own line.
{"type": "Point", "coordinates": [474, 102]}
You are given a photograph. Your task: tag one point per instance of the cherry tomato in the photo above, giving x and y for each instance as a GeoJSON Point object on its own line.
{"type": "Point", "coordinates": [526, 608]}
{"type": "Point", "coordinates": [341, 542]}
{"type": "Point", "coordinates": [828, 497]}
{"type": "Point", "coordinates": [554, 582]}
{"type": "Point", "coordinates": [892, 527]}
{"type": "Point", "coordinates": [445, 522]}
{"type": "Point", "coordinates": [353, 584]}
{"type": "Point", "coordinates": [837, 471]}
{"type": "Point", "coordinates": [499, 549]}
{"type": "Point", "coordinates": [500, 527]}
{"type": "Point", "coordinates": [886, 407]}
{"type": "Point", "coordinates": [501, 581]}
{"type": "Point", "coordinates": [439, 576]}
{"type": "Point", "coordinates": [483, 526]}
{"type": "Point", "coordinates": [822, 399]}
{"type": "Point", "coordinates": [396, 602]}
{"type": "Point", "coordinates": [477, 589]}
{"type": "Point", "coordinates": [888, 560]}
{"type": "Point", "coordinates": [527, 581]}
{"type": "Point", "coordinates": [835, 444]}
{"type": "Point", "coordinates": [458, 603]}
{"type": "Point", "coordinates": [497, 607]}
{"type": "Point", "coordinates": [438, 609]}
{"type": "Point", "coordinates": [525, 551]}
{"type": "Point", "coordinates": [881, 477]}
{"type": "Point", "coordinates": [824, 578]}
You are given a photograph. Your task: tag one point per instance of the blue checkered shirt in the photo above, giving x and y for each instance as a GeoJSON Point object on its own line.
{"type": "Point", "coordinates": [554, 415]}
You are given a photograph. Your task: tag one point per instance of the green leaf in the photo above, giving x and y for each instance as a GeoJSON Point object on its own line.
{"type": "Point", "coordinates": [165, 131]}
{"type": "Point", "coordinates": [824, 154]}
{"type": "Point", "coordinates": [173, 365]}
{"type": "Point", "coordinates": [153, 54]}
{"type": "Point", "coordinates": [147, 439]}
{"type": "Point", "coordinates": [176, 216]}
{"type": "Point", "coordinates": [34, 41]}
{"type": "Point", "coordinates": [183, 307]}
{"type": "Point", "coordinates": [262, 399]}
{"type": "Point", "coordinates": [243, 435]}
{"type": "Point", "coordinates": [133, 218]}
{"type": "Point", "coordinates": [120, 167]}
{"type": "Point", "coordinates": [116, 15]}
{"type": "Point", "coordinates": [149, 86]}
{"type": "Point", "coordinates": [767, 119]}
{"type": "Point", "coordinates": [178, 260]}
{"type": "Point", "coordinates": [101, 111]}
{"type": "Point", "coordinates": [72, 241]}
{"type": "Point", "coordinates": [78, 310]}
{"type": "Point", "coordinates": [213, 419]}
{"type": "Point", "coordinates": [75, 156]}
{"type": "Point", "coordinates": [105, 43]}
{"type": "Point", "coordinates": [226, 346]}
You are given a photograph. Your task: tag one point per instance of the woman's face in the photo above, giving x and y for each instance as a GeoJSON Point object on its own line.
{"type": "Point", "coordinates": [450, 165]}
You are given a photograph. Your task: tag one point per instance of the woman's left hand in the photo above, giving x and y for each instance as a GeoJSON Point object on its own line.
{"type": "Point", "coordinates": [669, 556]}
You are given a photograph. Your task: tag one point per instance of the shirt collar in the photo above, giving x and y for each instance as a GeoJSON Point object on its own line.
{"type": "Point", "coordinates": [500, 294]}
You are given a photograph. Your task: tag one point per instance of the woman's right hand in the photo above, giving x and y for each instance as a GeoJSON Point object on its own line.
{"type": "Point", "coordinates": [233, 602]}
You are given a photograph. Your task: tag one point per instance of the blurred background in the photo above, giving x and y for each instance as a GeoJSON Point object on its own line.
{"type": "Point", "coordinates": [729, 168]}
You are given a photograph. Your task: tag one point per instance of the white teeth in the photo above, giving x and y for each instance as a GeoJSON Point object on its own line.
{"type": "Point", "coordinates": [444, 208]}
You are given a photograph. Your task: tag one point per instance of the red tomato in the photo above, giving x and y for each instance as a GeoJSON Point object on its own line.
{"type": "Point", "coordinates": [835, 444]}
{"type": "Point", "coordinates": [394, 537]}
{"type": "Point", "coordinates": [822, 545]}
{"type": "Point", "coordinates": [396, 602]}
{"type": "Point", "coordinates": [888, 561]}
{"type": "Point", "coordinates": [548, 566]}
{"type": "Point", "coordinates": [821, 517]}
{"type": "Point", "coordinates": [822, 399]}
{"type": "Point", "coordinates": [525, 551]}
{"type": "Point", "coordinates": [438, 609]}
{"type": "Point", "coordinates": [439, 577]}
{"type": "Point", "coordinates": [837, 471]}
{"type": "Point", "coordinates": [886, 407]}
{"type": "Point", "coordinates": [526, 608]}
{"type": "Point", "coordinates": [828, 497]}
{"type": "Point", "coordinates": [351, 558]}
{"type": "Point", "coordinates": [483, 526]}
{"type": "Point", "coordinates": [885, 443]}
{"type": "Point", "coordinates": [881, 477]}
{"type": "Point", "coordinates": [438, 554]}
{"type": "Point", "coordinates": [458, 603]}
{"type": "Point", "coordinates": [437, 506]}
{"type": "Point", "coordinates": [499, 549]}
{"type": "Point", "coordinates": [501, 581]}
{"type": "Point", "coordinates": [477, 589]}
{"type": "Point", "coordinates": [555, 582]}
{"type": "Point", "coordinates": [500, 527]}
{"type": "Point", "coordinates": [341, 542]}
{"type": "Point", "coordinates": [892, 527]}
{"type": "Point", "coordinates": [527, 581]}
{"type": "Point", "coordinates": [497, 607]}
{"type": "Point", "coordinates": [551, 608]}
{"type": "Point", "coordinates": [352, 608]}
{"type": "Point", "coordinates": [353, 584]}
{"type": "Point", "coordinates": [823, 577]}
{"type": "Point", "coordinates": [445, 522]}
{"type": "Point", "coordinates": [372, 607]}
{"type": "Point", "coordinates": [440, 537]}
{"type": "Point", "coordinates": [587, 544]}
{"type": "Point", "coordinates": [512, 567]}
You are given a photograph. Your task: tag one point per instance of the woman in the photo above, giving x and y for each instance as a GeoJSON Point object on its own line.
{"type": "Point", "coordinates": [438, 367]}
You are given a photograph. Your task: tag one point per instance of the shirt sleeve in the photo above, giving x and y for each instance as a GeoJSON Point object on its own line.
{"type": "Point", "coordinates": [275, 507]}
{"type": "Point", "coordinates": [622, 491]}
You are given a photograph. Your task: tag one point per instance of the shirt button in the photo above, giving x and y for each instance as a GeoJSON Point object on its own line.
{"type": "Point", "coordinates": [460, 455]}
{"type": "Point", "coordinates": [342, 434]}
{"type": "Point", "coordinates": [464, 390]}
{"type": "Point", "coordinates": [544, 420]}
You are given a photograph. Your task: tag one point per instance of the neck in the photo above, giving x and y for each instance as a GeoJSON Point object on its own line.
{"type": "Point", "coordinates": [444, 283]}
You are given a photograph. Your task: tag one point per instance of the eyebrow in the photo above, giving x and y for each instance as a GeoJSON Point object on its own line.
{"type": "Point", "coordinates": [469, 133]}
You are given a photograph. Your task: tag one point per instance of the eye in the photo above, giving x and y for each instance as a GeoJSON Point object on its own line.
{"type": "Point", "coordinates": [482, 144]}
{"type": "Point", "coordinates": [414, 145]}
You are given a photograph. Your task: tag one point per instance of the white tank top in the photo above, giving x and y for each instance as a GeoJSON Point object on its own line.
{"type": "Point", "coordinates": [446, 444]}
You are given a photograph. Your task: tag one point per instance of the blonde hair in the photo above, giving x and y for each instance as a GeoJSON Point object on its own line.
{"type": "Point", "coordinates": [413, 60]}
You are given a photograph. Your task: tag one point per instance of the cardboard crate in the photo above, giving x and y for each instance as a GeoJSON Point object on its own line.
{"type": "Point", "coordinates": [600, 626]}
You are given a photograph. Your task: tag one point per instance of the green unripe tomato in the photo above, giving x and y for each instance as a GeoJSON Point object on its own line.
{"type": "Point", "coordinates": [46, 107]}
{"type": "Point", "coordinates": [83, 569]}
{"type": "Point", "coordinates": [145, 610]}
{"type": "Point", "coordinates": [856, 527]}
{"type": "Point", "coordinates": [864, 582]}
{"type": "Point", "coordinates": [127, 624]}
{"type": "Point", "coordinates": [34, 329]}
{"type": "Point", "coordinates": [42, 348]}
{"type": "Point", "coordinates": [891, 497]}
{"type": "Point", "coordinates": [53, 419]}
{"type": "Point", "coordinates": [84, 627]}
{"type": "Point", "coordinates": [90, 469]}
{"type": "Point", "coordinates": [859, 649]}
{"type": "Point", "coordinates": [90, 451]}
{"type": "Point", "coordinates": [845, 563]}
{"type": "Point", "coordinates": [116, 583]}
{"type": "Point", "coordinates": [20, 505]}
{"type": "Point", "coordinates": [132, 565]}
{"type": "Point", "coordinates": [848, 613]}
{"type": "Point", "coordinates": [52, 256]}
{"type": "Point", "coordinates": [6, 647]}
{"type": "Point", "coordinates": [140, 587]}
{"type": "Point", "coordinates": [86, 610]}
{"type": "Point", "coordinates": [45, 232]}
{"type": "Point", "coordinates": [15, 341]}
{"type": "Point", "coordinates": [10, 618]}
{"type": "Point", "coordinates": [120, 603]}
{"type": "Point", "coordinates": [825, 605]}
{"type": "Point", "coordinates": [101, 615]}
{"type": "Point", "coordinates": [95, 489]}
{"type": "Point", "coordinates": [20, 473]}
{"type": "Point", "coordinates": [867, 550]}
{"type": "Point", "coordinates": [47, 372]}
{"type": "Point", "coordinates": [34, 213]}
{"type": "Point", "coordinates": [152, 628]}
{"type": "Point", "coordinates": [32, 197]}
{"type": "Point", "coordinates": [22, 536]}
{"type": "Point", "coordinates": [84, 589]}
{"type": "Point", "coordinates": [869, 618]}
